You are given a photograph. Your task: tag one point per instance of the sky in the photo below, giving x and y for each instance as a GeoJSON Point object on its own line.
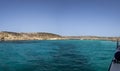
{"type": "Point", "coordinates": [63, 17]}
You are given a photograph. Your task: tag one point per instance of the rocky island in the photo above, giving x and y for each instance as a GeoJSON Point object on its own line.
{"type": "Point", "coordinates": [5, 36]}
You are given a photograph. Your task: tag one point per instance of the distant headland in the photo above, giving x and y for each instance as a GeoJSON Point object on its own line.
{"type": "Point", "coordinates": [5, 36]}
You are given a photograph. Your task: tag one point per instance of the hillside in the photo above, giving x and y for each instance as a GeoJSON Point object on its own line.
{"type": "Point", "coordinates": [28, 36]}
{"type": "Point", "coordinates": [92, 38]}
{"type": "Point", "coordinates": [5, 35]}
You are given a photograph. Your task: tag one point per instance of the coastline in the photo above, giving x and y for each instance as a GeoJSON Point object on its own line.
{"type": "Point", "coordinates": [14, 36]}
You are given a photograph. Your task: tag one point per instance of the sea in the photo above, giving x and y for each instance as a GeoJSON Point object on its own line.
{"type": "Point", "coordinates": [56, 55]}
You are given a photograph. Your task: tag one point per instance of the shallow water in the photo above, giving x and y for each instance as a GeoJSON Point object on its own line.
{"type": "Point", "coordinates": [56, 55]}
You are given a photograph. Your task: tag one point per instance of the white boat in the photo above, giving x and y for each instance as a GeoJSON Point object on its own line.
{"type": "Point", "coordinates": [115, 64]}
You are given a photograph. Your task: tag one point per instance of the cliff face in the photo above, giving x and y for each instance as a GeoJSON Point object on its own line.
{"type": "Point", "coordinates": [28, 36]}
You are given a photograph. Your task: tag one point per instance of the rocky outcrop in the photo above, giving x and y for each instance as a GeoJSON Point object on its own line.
{"type": "Point", "coordinates": [28, 36]}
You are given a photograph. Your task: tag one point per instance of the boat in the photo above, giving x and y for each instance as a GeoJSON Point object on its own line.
{"type": "Point", "coordinates": [115, 63]}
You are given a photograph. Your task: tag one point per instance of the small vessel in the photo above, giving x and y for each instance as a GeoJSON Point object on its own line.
{"type": "Point", "coordinates": [115, 63]}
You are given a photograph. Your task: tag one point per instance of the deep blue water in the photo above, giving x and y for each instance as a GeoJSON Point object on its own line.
{"type": "Point", "coordinates": [56, 55]}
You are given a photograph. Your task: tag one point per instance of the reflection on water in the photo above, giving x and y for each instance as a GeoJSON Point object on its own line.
{"type": "Point", "coordinates": [72, 55]}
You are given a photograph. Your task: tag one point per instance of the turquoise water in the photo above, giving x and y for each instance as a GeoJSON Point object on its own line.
{"type": "Point", "coordinates": [56, 55]}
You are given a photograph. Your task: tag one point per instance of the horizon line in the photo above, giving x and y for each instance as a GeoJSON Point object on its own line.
{"type": "Point", "coordinates": [62, 35]}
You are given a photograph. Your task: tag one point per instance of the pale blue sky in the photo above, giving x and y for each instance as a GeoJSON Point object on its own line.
{"type": "Point", "coordinates": [64, 17]}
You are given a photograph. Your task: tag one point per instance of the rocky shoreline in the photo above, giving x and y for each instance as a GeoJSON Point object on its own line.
{"type": "Point", "coordinates": [5, 36]}
{"type": "Point", "coordinates": [92, 38]}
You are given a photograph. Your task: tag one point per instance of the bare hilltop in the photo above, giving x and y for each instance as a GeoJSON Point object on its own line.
{"type": "Point", "coordinates": [5, 36]}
